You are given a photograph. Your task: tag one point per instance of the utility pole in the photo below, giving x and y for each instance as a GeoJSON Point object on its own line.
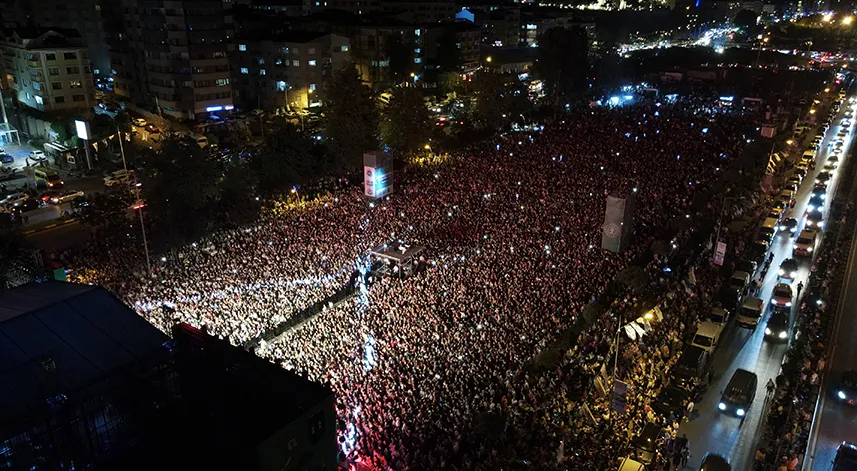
{"type": "Point", "coordinates": [138, 202]}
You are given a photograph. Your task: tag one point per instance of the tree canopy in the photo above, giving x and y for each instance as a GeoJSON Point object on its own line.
{"type": "Point", "coordinates": [352, 119]}
{"type": "Point", "coordinates": [405, 121]}
{"type": "Point", "coordinates": [562, 63]}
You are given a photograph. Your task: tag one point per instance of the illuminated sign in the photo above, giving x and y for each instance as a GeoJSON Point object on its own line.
{"type": "Point", "coordinates": [214, 108]}
{"type": "Point", "coordinates": [82, 128]}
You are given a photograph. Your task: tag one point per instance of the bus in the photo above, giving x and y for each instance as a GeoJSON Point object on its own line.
{"type": "Point", "coordinates": [47, 177]}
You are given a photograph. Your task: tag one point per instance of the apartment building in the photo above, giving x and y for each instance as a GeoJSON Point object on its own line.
{"type": "Point", "coordinates": [48, 69]}
{"type": "Point", "coordinates": [286, 69]}
{"type": "Point", "coordinates": [425, 11]}
{"type": "Point", "coordinates": [171, 56]}
{"type": "Point", "coordinates": [465, 37]}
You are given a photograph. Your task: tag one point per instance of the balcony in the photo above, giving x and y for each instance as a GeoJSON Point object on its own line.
{"type": "Point", "coordinates": [34, 63]}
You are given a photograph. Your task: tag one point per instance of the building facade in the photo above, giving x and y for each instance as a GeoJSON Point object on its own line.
{"type": "Point", "coordinates": [47, 69]}
{"type": "Point", "coordinates": [286, 70]}
{"type": "Point", "coordinates": [171, 56]}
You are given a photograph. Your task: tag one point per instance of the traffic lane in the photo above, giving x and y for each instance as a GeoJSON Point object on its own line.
{"type": "Point", "coordinates": [60, 238]}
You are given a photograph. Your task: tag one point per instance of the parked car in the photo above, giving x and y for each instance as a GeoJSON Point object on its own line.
{"type": "Point", "coordinates": [692, 366]}
{"type": "Point", "coordinates": [713, 462]}
{"type": "Point", "coordinates": [671, 400]}
{"type": "Point", "coordinates": [646, 444]}
{"type": "Point", "coordinates": [719, 316]}
{"type": "Point", "coordinates": [6, 158]}
{"type": "Point", "coordinates": [38, 156]}
{"type": "Point", "coordinates": [139, 122]}
{"type": "Point", "coordinates": [846, 457]}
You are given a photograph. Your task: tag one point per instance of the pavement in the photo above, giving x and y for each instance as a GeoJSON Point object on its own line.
{"type": "Point", "coordinates": [709, 431]}
{"type": "Point", "coordinates": [835, 421]}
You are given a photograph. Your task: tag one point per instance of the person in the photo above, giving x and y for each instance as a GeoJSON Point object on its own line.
{"type": "Point", "coordinates": [770, 386]}
{"type": "Point", "coordinates": [799, 288]}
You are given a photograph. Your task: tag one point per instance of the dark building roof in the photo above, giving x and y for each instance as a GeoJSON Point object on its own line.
{"type": "Point", "coordinates": [82, 331]}
{"type": "Point", "coordinates": [283, 36]}
{"type": "Point", "coordinates": [86, 381]}
{"type": "Point", "coordinates": [33, 32]}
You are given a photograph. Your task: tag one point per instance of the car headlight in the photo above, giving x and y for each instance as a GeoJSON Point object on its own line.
{"type": "Point", "coordinates": [767, 331]}
{"type": "Point", "coordinates": [810, 208]}
{"type": "Point", "coordinates": [823, 196]}
{"type": "Point", "coordinates": [820, 224]}
{"type": "Point", "coordinates": [841, 394]}
{"type": "Point", "coordinates": [783, 334]}
{"type": "Point", "coordinates": [788, 304]}
{"type": "Point", "coordinates": [794, 274]}
{"type": "Point", "coordinates": [740, 412]}
{"type": "Point", "coordinates": [721, 406]}
{"type": "Point", "coordinates": [794, 247]}
{"type": "Point", "coordinates": [809, 249]}
{"type": "Point", "coordinates": [782, 228]}
{"type": "Point", "coordinates": [781, 272]}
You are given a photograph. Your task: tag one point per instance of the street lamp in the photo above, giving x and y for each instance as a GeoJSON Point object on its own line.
{"type": "Point", "coordinates": [847, 20]}
{"type": "Point", "coordinates": [761, 43]}
{"type": "Point", "coordinates": [138, 204]}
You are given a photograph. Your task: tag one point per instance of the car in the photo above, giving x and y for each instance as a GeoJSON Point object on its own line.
{"type": "Point", "coordinates": [779, 206]}
{"type": "Point", "coordinates": [846, 390]}
{"type": "Point", "coordinates": [671, 401]}
{"type": "Point", "coordinates": [781, 298]}
{"type": "Point", "coordinates": [747, 266]}
{"type": "Point", "coordinates": [786, 196]}
{"type": "Point", "coordinates": [805, 243]}
{"type": "Point", "coordinates": [6, 158]}
{"type": "Point", "coordinates": [788, 269]}
{"type": "Point", "coordinates": [37, 156]}
{"type": "Point", "coordinates": [692, 367]}
{"type": "Point", "coordinates": [820, 189]}
{"type": "Point", "coordinates": [798, 130]}
{"type": "Point", "coordinates": [775, 213]}
{"type": "Point", "coordinates": [139, 122]}
{"type": "Point", "coordinates": [113, 180]}
{"type": "Point", "coordinates": [829, 168]}
{"type": "Point", "coordinates": [7, 172]}
{"type": "Point", "coordinates": [14, 199]}
{"type": "Point", "coordinates": [778, 326]}
{"type": "Point", "coordinates": [152, 129]}
{"type": "Point", "coordinates": [814, 219]}
{"type": "Point", "coordinates": [628, 464]}
{"type": "Point", "coordinates": [846, 457]}
{"type": "Point", "coordinates": [789, 186]}
{"type": "Point", "coordinates": [765, 237]}
{"type": "Point", "coordinates": [833, 158]}
{"type": "Point", "coordinates": [759, 250]}
{"type": "Point", "coordinates": [46, 196]}
{"type": "Point", "coordinates": [66, 196]}
{"type": "Point", "coordinates": [815, 203]}
{"type": "Point", "coordinates": [795, 180]}
{"type": "Point", "coordinates": [707, 336]}
{"type": "Point", "coordinates": [800, 171]}
{"type": "Point", "coordinates": [25, 206]}
{"type": "Point", "coordinates": [739, 394]}
{"type": "Point", "coordinates": [788, 225]}
{"type": "Point", "coordinates": [712, 462]}
{"type": "Point", "coordinates": [719, 316]}
{"type": "Point", "coordinates": [646, 444]}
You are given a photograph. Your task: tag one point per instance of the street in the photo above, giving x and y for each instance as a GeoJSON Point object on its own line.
{"type": "Point", "coordinates": [835, 421]}
{"type": "Point", "coordinates": [713, 432]}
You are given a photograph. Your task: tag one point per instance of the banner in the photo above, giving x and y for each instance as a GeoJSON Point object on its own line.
{"type": "Point", "coordinates": [720, 253]}
{"type": "Point", "coordinates": [620, 393]}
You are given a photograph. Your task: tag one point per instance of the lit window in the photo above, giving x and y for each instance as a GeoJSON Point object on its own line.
{"type": "Point", "coordinates": [416, 32]}
{"type": "Point", "coordinates": [260, 61]}
{"type": "Point", "coordinates": [244, 71]}
{"type": "Point", "coordinates": [344, 49]}
{"type": "Point", "coordinates": [417, 50]}
{"type": "Point", "coordinates": [261, 71]}
{"type": "Point", "coordinates": [222, 82]}
{"type": "Point", "coordinates": [312, 86]}
{"type": "Point", "coordinates": [75, 84]}
{"type": "Point", "coordinates": [296, 63]}
{"type": "Point", "coordinates": [39, 100]}
{"type": "Point", "coordinates": [278, 62]}
{"type": "Point", "coordinates": [418, 60]}
{"type": "Point", "coordinates": [311, 63]}
{"type": "Point", "coordinates": [242, 47]}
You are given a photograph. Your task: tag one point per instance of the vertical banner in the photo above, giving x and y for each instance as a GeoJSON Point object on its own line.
{"type": "Point", "coordinates": [369, 181]}
{"type": "Point", "coordinates": [620, 393]}
{"type": "Point", "coordinates": [720, 253]}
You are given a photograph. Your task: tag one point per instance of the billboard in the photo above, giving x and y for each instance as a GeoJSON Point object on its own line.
{"type": "Point", "coordinates": [82, 128]}
{"type": "Point", "coordinates": [377, 180]}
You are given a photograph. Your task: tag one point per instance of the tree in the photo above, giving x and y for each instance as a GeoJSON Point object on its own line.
{"type": "Point", "coordinates": [450, 82]}
{"type": "Point", "coordinates": [351, 119]}
{"type": "Point", "coordinates": [499, 100]}
{"type": "Point", "coordinates": [181, 190]}
{"type": "Point", "coordinates": [240, 134]}
{"type": "Point", "coordinates": [288, 158]}
{"type": "Point", "coordinates": [238, 201]}
{"type": "Point", "coordinates": [401, 58]}
{"type": "Point", "coordinates": [745, 19]}
{"type": "Point", "coordinates": [107, 212]}
{"type": "Point", "coordinates": [405, 122]}
{"type": "Point", "coordinates": [562, 63]}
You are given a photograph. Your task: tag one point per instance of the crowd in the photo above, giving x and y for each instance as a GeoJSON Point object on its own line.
{"type": "Point", "coordinates": [432, 371]}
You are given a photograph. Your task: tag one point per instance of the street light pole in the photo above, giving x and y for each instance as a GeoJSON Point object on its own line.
{"type": "Point", "coordinates": [137, 198]}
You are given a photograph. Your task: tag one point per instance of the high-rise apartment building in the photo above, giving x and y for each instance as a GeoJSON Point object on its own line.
{"type": "Point", "coordinates": [171, 56]}
{"type": "Point", "coordinates": [47, 68]}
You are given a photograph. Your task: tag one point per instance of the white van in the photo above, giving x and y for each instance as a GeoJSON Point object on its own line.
{"type": "Point", "coordinates": [627, 464]}
{"type": "Point", "coordinates": [770, 226]}
{"type": "Point", "coordinates": [750, 313]}
{"type": "Point", "coordinates": [707, 335]}
{"type": "Point", "coordinates": [201, 141]}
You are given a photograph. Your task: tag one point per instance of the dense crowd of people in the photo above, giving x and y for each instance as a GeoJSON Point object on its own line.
{"type": "Point", "coordinates": [432, 371]}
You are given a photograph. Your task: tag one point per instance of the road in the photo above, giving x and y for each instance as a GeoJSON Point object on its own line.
{"type": "Point", "coordinates": [713, 432]}
{"type": "Point", "coordinates": [835, 421]}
